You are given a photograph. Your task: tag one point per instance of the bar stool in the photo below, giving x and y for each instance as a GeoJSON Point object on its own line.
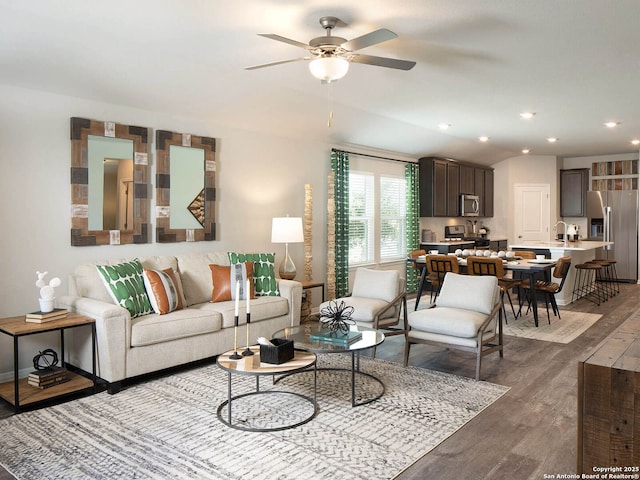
{"type": "Point", "coordinates": [609, 274]}
{"type": "Point", "coordinates": [586, 285]}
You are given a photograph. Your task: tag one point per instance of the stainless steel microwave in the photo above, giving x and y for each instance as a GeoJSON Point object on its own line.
{"type": "Point", "coordinates": [469, 205]}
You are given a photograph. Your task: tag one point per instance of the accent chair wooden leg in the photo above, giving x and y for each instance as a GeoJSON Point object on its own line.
{"type": "Point", "coordinates": [407, 345]}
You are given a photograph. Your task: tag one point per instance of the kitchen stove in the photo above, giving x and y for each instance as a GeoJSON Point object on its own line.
{"type": "Point", "coordinates": [457, 233]}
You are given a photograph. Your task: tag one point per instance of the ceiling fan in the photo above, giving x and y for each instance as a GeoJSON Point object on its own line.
{"type": "Point", "coordinates": [330, 56]}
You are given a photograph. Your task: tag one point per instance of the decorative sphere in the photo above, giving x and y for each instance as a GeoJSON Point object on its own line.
{"type": "Point", "coordinates": [510, 254]}
{"type": "Point", "coordinates": [458, 252]}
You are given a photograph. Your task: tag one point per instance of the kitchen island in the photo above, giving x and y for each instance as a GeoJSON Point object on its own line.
{"type": "Point", "coordinates": [580, 252]}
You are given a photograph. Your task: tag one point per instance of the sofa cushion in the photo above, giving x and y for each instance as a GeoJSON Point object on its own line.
{"type": "Point", "coordinates": [163, 291]}
{"type": "Point", "coordinates": [87, 282]}
{"type": "Point", "coordinates": [441, 320]}
{"type": "Point", "coordinates": [125, 285]}
{"type": "Point", "coordinates": [196, 275]}
{"type": "Point", "coordinates": [262, 308]}
{"type": "Point", "coordinates": [152, 329]}
{"type": "Point", "coordinates": [264, 274]}
{"type": "Point", "coordinates": [221, 278]}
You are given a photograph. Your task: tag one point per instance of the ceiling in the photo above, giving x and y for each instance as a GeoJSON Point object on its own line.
{"type": "Point", "coordinates": [479, 65]}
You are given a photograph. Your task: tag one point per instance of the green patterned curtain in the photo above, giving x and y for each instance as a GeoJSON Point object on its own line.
{"type": "Point", "coordinates": [340, 169]}
{"type": "Point", "coordinates": [413, 220]}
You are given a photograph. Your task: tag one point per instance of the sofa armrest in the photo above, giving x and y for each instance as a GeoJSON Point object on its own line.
{"type": "Point", "coordinates": [292, 291]}
{"type": "Point", "coordinates": [112, 335]}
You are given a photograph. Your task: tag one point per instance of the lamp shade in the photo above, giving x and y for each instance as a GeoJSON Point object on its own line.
{"type": "Point", "coordinates": [287, 230]}
{"type": "Point", "coordinates": [329, 69]}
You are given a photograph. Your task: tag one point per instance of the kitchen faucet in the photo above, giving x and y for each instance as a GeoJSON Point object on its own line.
{"type": "Point", "coordinates": [564, 236]}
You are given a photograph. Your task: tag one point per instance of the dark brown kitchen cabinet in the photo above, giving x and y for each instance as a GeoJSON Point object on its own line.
{"type": "Point", "coordinates": [453, 189]}
{"type": "Point", "coordinates": [574, 184]}
{"type": "Point", "coordinates": [442, 181]}
{"type": "Point", "coordinates": [478, 176]}
{"type": "Point", "coordinates": [433, 187]}
{"type": "Point", "coordinates": [467, 179]}
{"type": "Point", "coordinates": [488, 192]}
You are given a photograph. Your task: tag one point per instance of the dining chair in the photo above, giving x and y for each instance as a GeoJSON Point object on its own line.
{"type": "Point", "coordinates": [413, 254]}
{"type": "Point", "coordinates": [437, 267]}
{"type": "Point", "coordinates": [494, 266]}
{"type": "Point", "coordinates": [550, 288]}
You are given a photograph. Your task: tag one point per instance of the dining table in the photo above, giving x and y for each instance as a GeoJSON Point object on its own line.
{"type": "Point", "coordinates": [526, 268]}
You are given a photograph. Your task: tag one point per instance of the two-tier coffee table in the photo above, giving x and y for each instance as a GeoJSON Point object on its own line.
{"type": "Point", "coordinates": [370, 338]}
{"type": "Point", "coordinates": [301, 361]}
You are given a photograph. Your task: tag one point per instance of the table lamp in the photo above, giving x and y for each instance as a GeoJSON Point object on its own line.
{"type": "Point", "coordinates": [287, 230]}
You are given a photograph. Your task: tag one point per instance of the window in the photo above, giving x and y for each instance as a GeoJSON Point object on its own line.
{"type": "Point", "coordinates": [361, 221]}
{"type": "Point", "coordinates": [377, 218]}
{"type": "Point", "coordinates": [393, 218]}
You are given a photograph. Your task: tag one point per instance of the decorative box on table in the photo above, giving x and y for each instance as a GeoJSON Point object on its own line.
{"type": "Point", "coordinates": [280, 352]}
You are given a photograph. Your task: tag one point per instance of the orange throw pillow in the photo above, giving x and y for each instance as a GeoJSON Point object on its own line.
{"type": "Point", "coordinates": [163, 290]}
{"type": "Point", "coordinates": [221, 277]}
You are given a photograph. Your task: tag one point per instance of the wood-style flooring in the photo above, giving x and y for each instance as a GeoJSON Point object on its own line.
{"type": "Point", "coordinates": [532, 429]}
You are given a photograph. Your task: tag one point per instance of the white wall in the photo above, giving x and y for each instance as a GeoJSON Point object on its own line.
{"type": "Point", "coordinates": [259, 177]}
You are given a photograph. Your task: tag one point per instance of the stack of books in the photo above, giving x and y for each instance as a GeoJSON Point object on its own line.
{"type": "Point", "coordinates": [40, 317]}
{"type": "Point", "coordinates": [343, 339]}
{"type": "Point", "coordinates": [48, 377]}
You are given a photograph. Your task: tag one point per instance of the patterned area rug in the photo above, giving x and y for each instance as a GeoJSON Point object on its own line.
{"type": "Point", "coordinates": [570, 326]}
{"type": "Point", "coordinates": [167, 428]}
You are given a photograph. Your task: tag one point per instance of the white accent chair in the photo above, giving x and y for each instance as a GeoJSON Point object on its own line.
{"type": "Point", "coordinates": [378, 297]}
{"type": "Point", "coordinates": [467, 315]}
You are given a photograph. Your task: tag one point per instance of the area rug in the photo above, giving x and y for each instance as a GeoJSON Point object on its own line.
{"type": "Point", "coordinates": [167, 428]}
{"type": "Point", "coordinates": [570, 326]}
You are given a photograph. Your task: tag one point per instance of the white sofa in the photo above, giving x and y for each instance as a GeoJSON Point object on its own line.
{"type": "Point", "coordinates": [129, 347]}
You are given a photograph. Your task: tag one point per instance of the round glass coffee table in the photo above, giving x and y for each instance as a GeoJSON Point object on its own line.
{"type": "Point", "coordinates": [301, 361]}
{"type": "Point", "coordinates": [301, 336]}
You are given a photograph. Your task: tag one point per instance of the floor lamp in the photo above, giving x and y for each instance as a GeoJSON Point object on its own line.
{"type": "Point", "coordinates": [287, 230]}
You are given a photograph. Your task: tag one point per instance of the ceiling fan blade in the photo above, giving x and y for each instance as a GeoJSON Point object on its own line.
{"type": "Point", "coordinates": [381, 61]}
{"type": "Point", "coordinates": [254, 67]}
{"type": "Point", "coordinates": [371, 38]}
{"type": "Point", "coordinates": [295, 43]}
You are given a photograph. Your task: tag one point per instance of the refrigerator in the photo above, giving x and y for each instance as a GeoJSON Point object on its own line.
{"type": "Point", "coordinates": [613, 217]}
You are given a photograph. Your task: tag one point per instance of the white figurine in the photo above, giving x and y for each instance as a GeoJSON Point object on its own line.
{"type": "Point", "coordinates": [47, 294]}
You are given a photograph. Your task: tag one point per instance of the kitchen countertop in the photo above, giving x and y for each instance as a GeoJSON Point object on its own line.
{"type": "Point", "coordinates": [582, 245]}
{"type": "Point", "coordinates": [443, 242]}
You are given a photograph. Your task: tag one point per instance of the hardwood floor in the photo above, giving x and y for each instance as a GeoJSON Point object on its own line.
{"type": "Point", "coordinates": [532, 429]}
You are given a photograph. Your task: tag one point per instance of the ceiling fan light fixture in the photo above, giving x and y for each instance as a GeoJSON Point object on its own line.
{"type": "Point", "coordinates": [329, 68]}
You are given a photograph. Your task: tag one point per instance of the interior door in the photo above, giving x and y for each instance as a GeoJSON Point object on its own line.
{"type": "Point", "coordinates": [531, 212]}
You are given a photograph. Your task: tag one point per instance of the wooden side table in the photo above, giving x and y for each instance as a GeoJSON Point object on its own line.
{"type": "Point", "coordinates": [307, 284]}
{"type": "Point", "coordinates": [306, 313]}
{"type": "Point", "coordinates": [18, 392]}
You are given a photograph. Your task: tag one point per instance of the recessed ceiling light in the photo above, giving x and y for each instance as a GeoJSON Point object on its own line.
{"type": "Point", "coordinates": [444, 126]}
{"type": "Point", "coordinates": [483, 138]}
{"type": "Point", "coordinates": [611, 124]}
{"type": "Point", "coordinates": [552, 139]}
{"type": "Point", "coordinates": [527, 115]}
{"type": "Point", "coordinates": [635, 141]}
{"type": "Point", "coordinates": [525, 151]}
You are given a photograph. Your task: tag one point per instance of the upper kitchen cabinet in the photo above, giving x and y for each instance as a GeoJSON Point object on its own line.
{"type": "Point", "coordinates": [574, 184]}
{"type": "Point", "coordinates": [488, 192]}
{"type": "Point", "coordinates": [467, 180]}
{"type": "Point", "coordinates": [433, 187]}
{"type": "Point", "coordinates": [442, 182]}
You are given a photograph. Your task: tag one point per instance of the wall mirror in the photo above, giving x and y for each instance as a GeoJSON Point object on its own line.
{"type": "Point", "coordinates": [185, 187]}
{"type": "Point", "coordinates": [109, 183]}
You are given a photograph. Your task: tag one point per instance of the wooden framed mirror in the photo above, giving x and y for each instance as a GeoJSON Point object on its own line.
{"type": "Point", "coordinates": [185, 187]}
{"type": "Point", "coordinates": [109, 183]}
